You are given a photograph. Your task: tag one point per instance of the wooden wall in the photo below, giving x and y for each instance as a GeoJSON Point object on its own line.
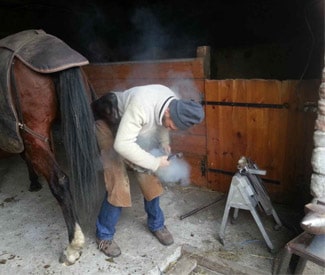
{"type": "Point", "coordinates": [269, 121]}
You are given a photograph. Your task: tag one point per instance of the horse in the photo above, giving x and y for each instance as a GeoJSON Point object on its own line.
{"type": "Point", "coordinates": [44, 82]}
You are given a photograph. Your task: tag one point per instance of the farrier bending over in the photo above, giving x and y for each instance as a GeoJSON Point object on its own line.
{"type": "Point", "coordinates": [147, 114]}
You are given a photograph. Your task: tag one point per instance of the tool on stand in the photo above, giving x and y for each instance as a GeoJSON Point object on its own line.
{"type": "Point", "coordinates": [246, 192]}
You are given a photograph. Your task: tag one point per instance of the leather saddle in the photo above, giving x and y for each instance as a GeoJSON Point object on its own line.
{"type": "Point", "coordinates": [40, 52]}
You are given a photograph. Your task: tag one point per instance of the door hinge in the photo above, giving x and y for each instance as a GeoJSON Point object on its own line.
{"type": "Point", "coordinates": [203, 166]}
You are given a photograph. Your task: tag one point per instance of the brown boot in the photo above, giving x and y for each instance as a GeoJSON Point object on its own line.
{"type": "Point", "coordinates": [109, 247]}
{"type": "Point", "coordinates": [164, 236]}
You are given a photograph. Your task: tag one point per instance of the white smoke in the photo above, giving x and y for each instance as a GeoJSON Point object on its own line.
{"type": "Point", "coordinates": [152, 37]}
{"type": "Point", "coordinates": [177, 172]}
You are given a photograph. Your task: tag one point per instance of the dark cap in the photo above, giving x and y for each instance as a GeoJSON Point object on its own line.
{"type": "Point", "coordinates": [185, 113]}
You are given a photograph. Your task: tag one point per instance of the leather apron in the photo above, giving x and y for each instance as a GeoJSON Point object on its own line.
{"type": "Point", "coordinates": [115, 174]}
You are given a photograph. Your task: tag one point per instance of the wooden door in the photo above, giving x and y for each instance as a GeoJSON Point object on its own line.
{"type": "Point", "coordinates": [266, 121]}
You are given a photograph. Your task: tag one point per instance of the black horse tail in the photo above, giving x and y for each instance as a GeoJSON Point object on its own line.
{"type": "Point", "coordinates": [78, 127]}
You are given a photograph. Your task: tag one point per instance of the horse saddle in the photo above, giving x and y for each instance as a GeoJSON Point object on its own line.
{"type": "Point", "coordinates": [42, 53]}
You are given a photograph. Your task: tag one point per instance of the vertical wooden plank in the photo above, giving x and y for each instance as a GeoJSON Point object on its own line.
{"type": "Point", "coordinates": [205, 53]}
{"type": "Point", "coordinates": [299, 144]}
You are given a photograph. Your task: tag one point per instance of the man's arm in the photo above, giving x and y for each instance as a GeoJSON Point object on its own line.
{"type": "Point", "coordinates": [125, 142]}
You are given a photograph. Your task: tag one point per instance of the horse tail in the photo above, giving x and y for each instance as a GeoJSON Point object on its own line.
{"type": "Point", "coordinates": [78, 127]}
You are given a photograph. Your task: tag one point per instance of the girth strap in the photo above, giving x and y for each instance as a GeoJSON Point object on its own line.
{"type": "Point", "coordinates": [33, 133]}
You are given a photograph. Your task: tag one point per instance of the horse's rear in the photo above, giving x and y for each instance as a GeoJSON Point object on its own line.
{"type": "Point", "coordinates": [38, 101]}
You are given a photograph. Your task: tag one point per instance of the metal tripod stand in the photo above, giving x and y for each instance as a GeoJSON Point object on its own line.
{"type": "Point", "coordinates": [246, 192]}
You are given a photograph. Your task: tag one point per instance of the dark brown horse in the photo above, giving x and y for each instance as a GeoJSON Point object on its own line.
{"type": "Point", "coordinates": [36, 96]}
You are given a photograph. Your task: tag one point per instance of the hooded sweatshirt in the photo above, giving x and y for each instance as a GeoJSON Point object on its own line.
{"type": "Point", "coordinates": [140, 130]}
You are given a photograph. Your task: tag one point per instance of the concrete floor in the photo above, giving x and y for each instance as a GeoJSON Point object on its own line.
{"type": "Point", "coordinates": [33, 234]}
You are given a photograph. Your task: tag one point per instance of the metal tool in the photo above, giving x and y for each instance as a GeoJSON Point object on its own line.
{"type": "Point", "coordinates": [178, 155]}
{"type": "Point", "coordinates": [144, 170]}
{"type": "Point", "coordinates": [314, 220]}
{"type": "Point", "coordinates": [200, 208]}
{"type": "Point", "coordinates": [246, 192]}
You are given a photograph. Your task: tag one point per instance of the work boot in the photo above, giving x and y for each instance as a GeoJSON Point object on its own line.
{"type": "Point", "coordinates": [109, 247]}
{"type": "Point", "coordinates": [164, 236]}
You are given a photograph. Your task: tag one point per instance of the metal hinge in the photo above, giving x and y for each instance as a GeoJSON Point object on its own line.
{"type": "Point", "coordinates": [203, 166]}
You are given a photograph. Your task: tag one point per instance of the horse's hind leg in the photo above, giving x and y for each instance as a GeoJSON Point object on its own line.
{"type": "Point", "coordinates": [37, 92]}
{"type": "Point", "coordinates": [38, 156]}
{"type": "Point", "coordinates": [42, 159]}
{"type": "Point", "coordinates": [60, 189]}
{"type": "Point", "coordinates": [33, 177]}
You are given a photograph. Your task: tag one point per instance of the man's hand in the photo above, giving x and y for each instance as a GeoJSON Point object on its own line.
{"type": "Point", "coordinates": [164, 161]}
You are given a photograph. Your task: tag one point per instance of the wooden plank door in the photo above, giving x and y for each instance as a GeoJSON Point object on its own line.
{"type": "Point", "coordinates": [259, 119]}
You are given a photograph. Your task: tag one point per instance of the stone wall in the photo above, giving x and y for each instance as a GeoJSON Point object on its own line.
{"type": "Point", "coordinates": [317, 186]}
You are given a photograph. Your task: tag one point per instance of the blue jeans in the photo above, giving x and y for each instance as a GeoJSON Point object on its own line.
{"type": "Point", "coordinates": [110, 214]}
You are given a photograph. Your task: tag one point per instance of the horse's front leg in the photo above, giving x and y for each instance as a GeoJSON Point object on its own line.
{"type": "Point", "coordinates": [43, 161]}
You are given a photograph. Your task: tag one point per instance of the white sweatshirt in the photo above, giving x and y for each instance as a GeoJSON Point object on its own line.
{"type": "Point", "coordinates": [140, 130]}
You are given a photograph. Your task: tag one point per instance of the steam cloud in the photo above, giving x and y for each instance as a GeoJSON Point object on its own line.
{"type": "Point", "coordinates": [177, 172]}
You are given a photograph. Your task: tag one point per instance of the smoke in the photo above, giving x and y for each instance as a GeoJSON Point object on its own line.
{"type": "Point", "coordinates": [183, 85]}
{"type": "Point", "coordinates": [177, 172]}
{"type": "Point", "coordinates": [152, 37]}
{"type": "Point", "coordinates": [157, 34]}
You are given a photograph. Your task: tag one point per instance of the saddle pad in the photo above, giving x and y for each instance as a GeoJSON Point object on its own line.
{"type": "Point", "coordinates": [39, 51]}
{"type": "Point", "coordinates": [42, 52]}
{"type": "Point", "coordinates": [10, 139]}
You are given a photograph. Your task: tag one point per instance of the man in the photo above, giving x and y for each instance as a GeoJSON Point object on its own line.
{"type": "Point", "coordinates": [144, 118]}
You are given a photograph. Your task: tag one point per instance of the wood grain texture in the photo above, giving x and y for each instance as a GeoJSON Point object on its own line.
{"type": "Point", "coordinates": [277, 139]}
{"type": "Point", "coordinates": [269, 121]}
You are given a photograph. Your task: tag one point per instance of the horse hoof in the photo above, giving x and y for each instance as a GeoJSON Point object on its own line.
{"type": "Point", "coordinates": [34, 187]}
{"type": "Point", "coordinates": [69, 260]}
